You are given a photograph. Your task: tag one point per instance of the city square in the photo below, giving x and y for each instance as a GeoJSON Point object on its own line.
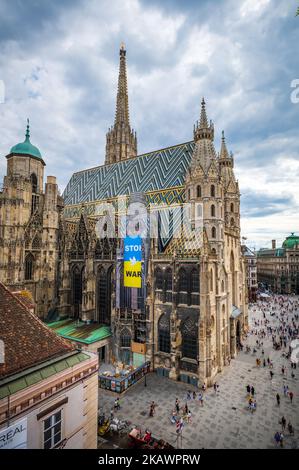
{"type": "Point", "coordinates": [224, 421]}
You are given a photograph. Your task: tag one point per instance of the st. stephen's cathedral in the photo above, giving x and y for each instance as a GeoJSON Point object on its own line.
{"type": "Point", "coordinates": [188, 316]}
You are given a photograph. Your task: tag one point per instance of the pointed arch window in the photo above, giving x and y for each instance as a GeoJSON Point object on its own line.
{"type": "Point", "coordinates": [104, 296]}
{"type": "Point", "coordinates": [232, 207]}
{"type": "Point", "coordinates": [212, 190]}
{"type": "Point", "coordinates": [158, 279]}
{"type": "Point", "coordinates": [164, 333]}
{"type": "Point", "coordinates": [213, 232]}
{"type": "Point", "coordinates": [33, 179]}
{"type": "Point", "coordinates": [77, 289]}
{"type": "Point", "coordinates": [213, 210]}
{"type": "Point", "coordinates": [183, 284]}
{"type": "Point", "coordinates": [198, 191]}
{"type": "Point", "coordinates": [29, 266]}
{"type": "Point", "coordinates": [98, 249]}
{"type": "Point", "coordinates": [189, 339]}
{"type": "Point", "coordinates": [183, 287]}
{"type": "Point", "coordinates": [211, 280]}
{"type": "Point", "coordinates": [36, 244]}
{"type": "Point", "coordinates": [168, 279]}
{"type": "Point", "coordinates": [194, 281]}
{"type": "Point", "coordinates": [125, 338]}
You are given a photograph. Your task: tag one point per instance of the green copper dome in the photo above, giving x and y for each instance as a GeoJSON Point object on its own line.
{"type": "Point", "coordinates": [291, 241]}
{"type": "Point", "coordinates": [26, 147]}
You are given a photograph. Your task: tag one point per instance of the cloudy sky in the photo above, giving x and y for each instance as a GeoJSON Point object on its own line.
{"type": "Point", "coordinates": [59, 64]}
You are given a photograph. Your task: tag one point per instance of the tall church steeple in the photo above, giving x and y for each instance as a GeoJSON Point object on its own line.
{"type": "Point", "coordinates": [204, 152]}
{"type": "Point", "coordinates": [121, 140]}
{"type": "Point", "coordinates": [226, 162]}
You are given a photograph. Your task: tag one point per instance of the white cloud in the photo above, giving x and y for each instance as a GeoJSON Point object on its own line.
{"type": "Point", "coordinates": [62, 73]}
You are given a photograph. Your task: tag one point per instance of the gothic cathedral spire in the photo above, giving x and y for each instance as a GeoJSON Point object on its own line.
{"type": "Point", "coordinates": [204, 152]}
{"type": "Point", "coordinates": [121, 140]}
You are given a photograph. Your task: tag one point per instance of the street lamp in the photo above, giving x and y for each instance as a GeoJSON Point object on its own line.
{"type": "Point", "coordinates": [145, 384]}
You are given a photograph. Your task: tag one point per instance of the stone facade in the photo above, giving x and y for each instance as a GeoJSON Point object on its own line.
{"type": "Point", "coordinates": [278, 268]}
{"type": "Point", "coordinates": [29, 219]}
{"type": "Point", "coordinates": [251, 267]}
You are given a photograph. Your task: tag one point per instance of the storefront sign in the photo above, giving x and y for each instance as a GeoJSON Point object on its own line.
{"type": "Point", "coordinates": [15, 436]}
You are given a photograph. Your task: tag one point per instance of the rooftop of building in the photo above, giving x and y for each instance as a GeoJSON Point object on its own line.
{"type": "Point", "coordinates": [27, 340]}
{"type": "Point", "coordinates": [291, 241]}
{"type": "Point", "coordinates": [154, 171]}
{"type": "Point", "coordinates": [26, 147]}
{"type": "Point", "coordinates": [36, 374]}
{"type": "Point", "coordinates": [80, 331]}
{"type": "Point", "coordinates": [247, 251]}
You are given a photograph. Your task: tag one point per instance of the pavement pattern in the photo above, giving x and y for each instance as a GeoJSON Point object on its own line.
{"type": "Point", "coordinates": [224, 421]}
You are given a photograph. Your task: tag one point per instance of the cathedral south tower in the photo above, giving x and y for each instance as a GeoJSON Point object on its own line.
{"type": "Point", "coordinates": [121, 140]}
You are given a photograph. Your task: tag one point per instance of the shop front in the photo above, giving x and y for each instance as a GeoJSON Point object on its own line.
{"type": "Point", "coordinates": [120, 382]}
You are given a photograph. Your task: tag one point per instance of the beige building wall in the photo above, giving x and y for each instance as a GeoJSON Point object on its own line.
{"type": "Point", "coordinates": [78, 403]}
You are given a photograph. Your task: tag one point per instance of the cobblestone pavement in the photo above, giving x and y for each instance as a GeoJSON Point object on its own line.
{"type": "Point", "coordinates": [224, 421]}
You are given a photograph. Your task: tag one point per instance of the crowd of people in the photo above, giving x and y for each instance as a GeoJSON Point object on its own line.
{"type": "Point", "coordinates": [274, 324]}
{"type": "Point", "coordinates": [277, 320]}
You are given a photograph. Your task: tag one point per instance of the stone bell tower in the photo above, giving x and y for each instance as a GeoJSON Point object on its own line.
{"type": "Point", "coordinates": [121, 140]}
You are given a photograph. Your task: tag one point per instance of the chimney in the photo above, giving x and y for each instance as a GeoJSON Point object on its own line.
{"type": "Point", "coordinates": [273, 244]}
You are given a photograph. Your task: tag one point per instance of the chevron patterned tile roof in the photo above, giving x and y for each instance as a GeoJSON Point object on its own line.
{"type": "Point", "coordinates": [146, 173]}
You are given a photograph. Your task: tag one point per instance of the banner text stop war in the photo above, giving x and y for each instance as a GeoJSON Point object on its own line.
{"type": "Point", "coordinates": [132, 262]}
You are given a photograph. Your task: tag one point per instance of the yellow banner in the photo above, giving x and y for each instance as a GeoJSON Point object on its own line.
{"type": "Point", "coordinates": [132, 274]}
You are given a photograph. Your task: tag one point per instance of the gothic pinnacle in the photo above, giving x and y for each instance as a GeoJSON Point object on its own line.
{"type": "Point", "coordinates": [203, 115]}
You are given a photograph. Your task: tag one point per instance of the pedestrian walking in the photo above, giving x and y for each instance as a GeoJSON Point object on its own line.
{"type": "Point", "coordinates": [248, 389]}
{"type": "Point", "coordinates": [271, 374]}
{"type": "Point", "coordinates": [283, 423]}
{"type": "Point", "coordinates": [252, 391]}
{"type": "Point", "coordinates": [200, 398]}
{"type": "Point", "coordinates": [277, 438]}
{"type": "Point", "coordinates": [291, 396]}
{"type": "Point", "coordinates": [177, 405]}
{"type": "Point", "coordinates": [290, 429]}
{"type": "Point", "coordinates": [278, 399]}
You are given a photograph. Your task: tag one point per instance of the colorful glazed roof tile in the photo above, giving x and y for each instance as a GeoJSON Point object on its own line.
{"type": "Point", "coordinates": [147, 173]}
{"type": "Point", "coordinates": [80, 331]}
{"type": "Point", "coordinates": [27, 340]}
